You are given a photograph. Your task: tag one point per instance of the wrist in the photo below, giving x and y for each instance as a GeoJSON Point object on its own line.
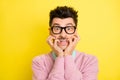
{"type": "Point", "coordinates": [60, 55]}
{"type": "Point", "coordinates": [66, 54]}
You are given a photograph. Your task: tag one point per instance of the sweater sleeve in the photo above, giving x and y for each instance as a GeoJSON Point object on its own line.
{"type": "Point", "coordinates": [90, 70]}
{"type": "Point", "coordinates": [73, 73]}
{"type": "Point", "coordinates": [40, 72]}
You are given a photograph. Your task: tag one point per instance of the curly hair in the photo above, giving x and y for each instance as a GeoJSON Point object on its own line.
{"type": "Point", "coordinates": [63, 12]}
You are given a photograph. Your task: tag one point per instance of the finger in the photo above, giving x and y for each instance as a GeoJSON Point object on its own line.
{"type": "Point", "coordinates": [69, 48]}
{"type": "Point", "coordinates": [76, 38]}
{"type": "Point", "coordinates": [55, 42]}
{"type": "Point", "coordinates": [74, 41]}
{"type": "Point", "coordinates": [56, 47]}
{"type": "Point", "coordinates": [70, 42]}
{"type": "Point", "coordinates": [50, 40]}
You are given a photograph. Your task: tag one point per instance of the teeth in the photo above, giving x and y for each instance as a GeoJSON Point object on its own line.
{"type": "Point", "coordinates": [62, 40]}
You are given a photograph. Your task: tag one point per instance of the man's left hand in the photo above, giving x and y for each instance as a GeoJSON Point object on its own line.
{"type": "Point", "coordinates": [72, 44]}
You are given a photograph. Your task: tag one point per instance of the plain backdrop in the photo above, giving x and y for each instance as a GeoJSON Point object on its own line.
{"type": "Point", "coordinates": [24, 29]}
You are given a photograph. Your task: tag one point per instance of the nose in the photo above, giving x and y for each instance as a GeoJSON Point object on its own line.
{"type": "Point", "coordinates": [63, 33]}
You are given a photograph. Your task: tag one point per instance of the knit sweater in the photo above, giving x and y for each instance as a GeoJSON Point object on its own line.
{"type": "Point", "coordinates": [78, 66]}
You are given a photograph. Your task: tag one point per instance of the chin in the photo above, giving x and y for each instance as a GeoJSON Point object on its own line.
{"type": "Point", "coordinates": [63, 47]}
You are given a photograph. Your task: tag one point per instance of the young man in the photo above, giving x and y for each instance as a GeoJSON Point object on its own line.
{"type": "Point", "coordinates": [63, 62]}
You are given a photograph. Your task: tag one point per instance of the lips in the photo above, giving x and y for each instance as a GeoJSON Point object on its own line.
{"type": "Point", "coordinates": [63, 42]}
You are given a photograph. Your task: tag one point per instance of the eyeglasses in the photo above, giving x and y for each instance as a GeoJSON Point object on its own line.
{"type": "Point", "coordinates": [67, 29]}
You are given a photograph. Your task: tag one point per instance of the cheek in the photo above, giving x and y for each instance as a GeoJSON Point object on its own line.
{"type": "Point", "coordinates": [70, 36]}
{"type": "Point", "coordinates": [56, 36]}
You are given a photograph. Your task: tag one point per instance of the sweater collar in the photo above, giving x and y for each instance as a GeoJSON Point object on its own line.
{"type": "Point", "coordinates": [54, 55]}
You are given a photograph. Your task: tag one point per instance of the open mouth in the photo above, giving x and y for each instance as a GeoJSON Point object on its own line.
{"type": "Point", "coordinates": [63, 42]}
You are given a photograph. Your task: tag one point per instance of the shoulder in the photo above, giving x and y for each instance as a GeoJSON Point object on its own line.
{"type": "Point", "coordinates": [38, 58]}
{"type": "Point", "coordinates": [87, 62]}
{"type": "Point", "coordinates": [86, 59]}
{"type": "Point", "coordinates": [85, 56]}
{"type": "Point", "coordinates": [41, 58]}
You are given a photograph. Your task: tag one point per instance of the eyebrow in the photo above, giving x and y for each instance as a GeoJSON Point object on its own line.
{"type": "Point", "coordinates": [56, 24]}
{"type": "Point", "coordinates": [69, 24]}
{"type": "Point", "coordinates": [66, 24]}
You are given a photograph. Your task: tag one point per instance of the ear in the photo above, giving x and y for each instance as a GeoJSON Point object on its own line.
{"type": "Point", "coordinates": [76, 31]}
{"type": "Point", "coordinates": [77, 34]}
{"type": "Point", "coordinates": [49, 31]}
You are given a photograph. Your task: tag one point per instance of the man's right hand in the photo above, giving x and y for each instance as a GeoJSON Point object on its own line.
{"type": "Point", "coordinates": [52, 41]}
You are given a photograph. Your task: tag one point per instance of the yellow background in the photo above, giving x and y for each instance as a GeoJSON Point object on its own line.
{"type": "Point", "coordinates": [24, 29]}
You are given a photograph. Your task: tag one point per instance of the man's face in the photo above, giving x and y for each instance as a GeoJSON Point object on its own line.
{"type": "Point", "coordinates": [63, 37]}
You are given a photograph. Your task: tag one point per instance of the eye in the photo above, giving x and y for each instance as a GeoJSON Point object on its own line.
{"type": "Point", "coordinates": [69, 28]}
{"type": "Point", "coordinates": [56, 28]}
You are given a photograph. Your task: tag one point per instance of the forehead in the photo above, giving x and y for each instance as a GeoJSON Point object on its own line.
{"type": "Point", "coordinates": [62, 22]}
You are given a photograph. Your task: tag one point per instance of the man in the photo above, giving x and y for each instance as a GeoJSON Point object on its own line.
{"type": "Point", "coordinates": [63, 62]}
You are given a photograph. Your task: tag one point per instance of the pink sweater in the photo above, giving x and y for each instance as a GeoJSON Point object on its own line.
{"type": "Point", "coordinates": [79, 66]}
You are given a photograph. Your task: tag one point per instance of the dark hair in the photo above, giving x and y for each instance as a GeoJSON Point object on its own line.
{"type": "Point", "coordinates": [63, 12]}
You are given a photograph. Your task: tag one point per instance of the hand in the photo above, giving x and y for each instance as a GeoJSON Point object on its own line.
{"type": "Point", "coordinates": [72, 44]}
{"type": "Point", "coordinates": [52, 41]}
